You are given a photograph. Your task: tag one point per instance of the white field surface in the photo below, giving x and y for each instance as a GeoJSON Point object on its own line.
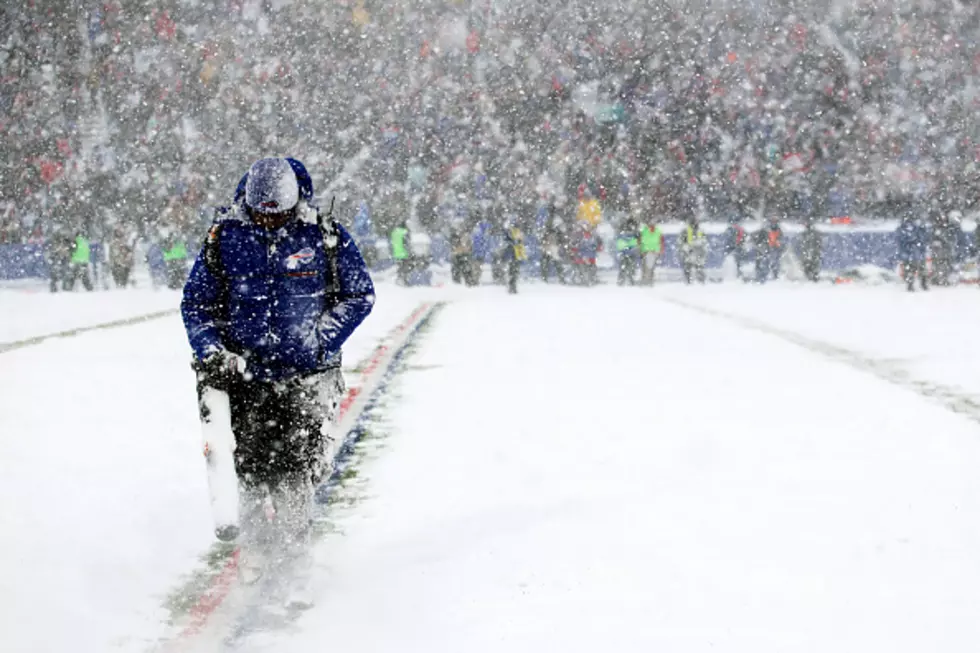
{"type": "Point", "coordinates": [568, 469]}
{"type": "Point", "coordinates": [32, 311]}
{"type": "Point", "coordinates": [103, 493]}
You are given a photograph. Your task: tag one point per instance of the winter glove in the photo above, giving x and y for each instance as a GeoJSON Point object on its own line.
{"type": "Point", "coordinates": [221, 367]}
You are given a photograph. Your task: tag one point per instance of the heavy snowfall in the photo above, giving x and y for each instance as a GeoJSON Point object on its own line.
{"type": "Point", "coordinates": [671, 346]}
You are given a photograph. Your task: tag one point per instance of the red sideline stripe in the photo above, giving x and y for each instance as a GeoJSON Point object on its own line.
{"type": "Point", "coordinates": [213, 597]}
{"type": "Point", "coordinates": [348, 401]}
{"type": "Point", "coordinates": [219, 589]}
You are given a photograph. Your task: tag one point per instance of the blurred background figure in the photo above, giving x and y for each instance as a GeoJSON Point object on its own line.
{"type": "Point", "coordinates": [945, 240]}
{"type": "Point", "coordinates": [515, 254]}
{"type": "Point", "coordinates": [57, 253]}
{"type": "Point", "coordinates": [400, 252]}
{"type": "Point", "coordinates": [585, 250]}
{"type": "Point", "coordinates": [651, 249]}
{"type": "Point", "coordinates": [81, 259]}
{"type": "Point", "coordinates": [693, 251]}
{"type": "Point", "coordinates": [811, 251]}
{"type": "Point", "coordinates": [627, 251]}
{"type": "Point", "coordinates": [554, 247]}
{"type": "Point", "coordinates": [913, 240]}
{"type": "Point", "coordinates": [734, 246]}
{"type": "Point", "coordinates": [175, 260]}
{"type": "Point", "coordinates": [461, 256]}
{"type": "Point", "coordinates": [768, 251]}
{"type": "Point", "coordinates": [121, 257]}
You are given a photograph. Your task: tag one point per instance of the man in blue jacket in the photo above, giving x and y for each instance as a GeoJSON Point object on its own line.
{"type": "Point", "coordinates": [275, 291]}
{"type": "Point", "coordinates": [912, 244]}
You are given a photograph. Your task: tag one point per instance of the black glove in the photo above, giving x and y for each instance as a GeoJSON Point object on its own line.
{"type": "Point", "coordinates": [222, 367]}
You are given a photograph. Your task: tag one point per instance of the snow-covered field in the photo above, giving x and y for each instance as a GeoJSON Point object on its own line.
{"type": "Point", "coordinates": [928, 336]}
{"type": "Point", "coordinates": [32, 311]}
{"type": "Point", "coordinates": [104, 499]}
{"type": "Point", "coordinates": [682, 469]}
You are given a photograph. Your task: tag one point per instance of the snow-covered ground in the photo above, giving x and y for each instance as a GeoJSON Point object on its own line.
{"type": "Point", "coordinates": [31, 311]}
{"type": "Point", "coordinates": [634, 469]}
{"type": "Point", "coordinates": [930, 336]}
{"type": "Point", "coordinates": [103, 497]}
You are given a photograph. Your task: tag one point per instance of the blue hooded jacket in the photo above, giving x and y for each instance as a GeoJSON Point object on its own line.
{"type": "Point", "coordinates": [913, 240]}
{"type": "Point", "coordinates": [271, 303]}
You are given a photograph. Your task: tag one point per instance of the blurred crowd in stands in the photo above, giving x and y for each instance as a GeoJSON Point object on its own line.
{"type": "Point", "coordinates": [135, 117]}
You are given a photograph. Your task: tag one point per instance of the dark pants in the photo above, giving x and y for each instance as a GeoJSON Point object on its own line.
{"type": "Point", "coordinates": [909, 271]}
{"type": "Point", "coordinates": [774, 261]}
{"type": "Point", "coordinates": [176, 273]}
{"type": "Point", "coordinates": [739, 255]}
{"type": "Point", "coordinates": [627, 269]}
{"type": "Point", "coordinates": [498, 270]}
{"type": "Point", "coordinates": [585, 273]}
{"type": "Point", "coordinates": [284, 448]}
{"type": "Point", "coordinates": [279, 427]}
{"type": "Point", "coordinates": [811, 268]}
{"type": "Point", "coordinates": [767, 265]}
{"type": "Point", "coordinates": [120, 274]}
{"type": "Point", "coordinates": [75, 271]}
{"type": "Point", "coordinates": [461, 267]}
{"type": "Point", "coordinates": [59, 274]}
{"type": "Point", "coordinates": [547, 262]}
{"type": "Point", "coordinates": [693, 271]}
{"type": "Point", "coordinates": [402, 268]}
{"type": "Point", "coordinates": [513, 271]}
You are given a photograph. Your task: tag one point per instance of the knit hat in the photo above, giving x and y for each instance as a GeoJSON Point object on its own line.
{"type": "Point", "coordinates": [271, 187]}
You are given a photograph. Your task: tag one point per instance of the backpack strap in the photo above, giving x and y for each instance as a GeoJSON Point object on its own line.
{"type": "Point", "coordinates": [212, 260]}
{"type": "Point", "coordinates": [331, 240]}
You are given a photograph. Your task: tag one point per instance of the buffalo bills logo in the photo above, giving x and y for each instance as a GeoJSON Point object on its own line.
{"type": "Point", "coordinates": [302, 257]}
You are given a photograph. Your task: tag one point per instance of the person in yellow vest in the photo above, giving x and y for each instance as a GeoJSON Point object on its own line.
{"type": "Point", "coordinates": [514, 253]}
{"type": "Point", "coordinates": [81, 257]}
{"type": "Point", "coordinates": [694, 251]}
{"type": "Point", "coordinates": [400, 253]}
{"type": "Point", "coordinates": [651, 249]}
{"type": "Point", "coordinates": [589, 210]}
{"type": "Point", "coordinates": [175, 261]}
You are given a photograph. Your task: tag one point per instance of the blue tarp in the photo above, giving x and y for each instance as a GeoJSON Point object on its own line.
{"type": "Point", "coordinates": [22, 262]}
{"type": "Point", "coordinates": [27, 261]}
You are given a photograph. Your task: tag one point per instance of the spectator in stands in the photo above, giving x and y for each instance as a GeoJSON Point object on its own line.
{"type": "Point", "coordinates": [11, 231]}
{"type": "Point", "coordinates": [840, 112]}
{"type": "Point", "coordinates": [36, 237]}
